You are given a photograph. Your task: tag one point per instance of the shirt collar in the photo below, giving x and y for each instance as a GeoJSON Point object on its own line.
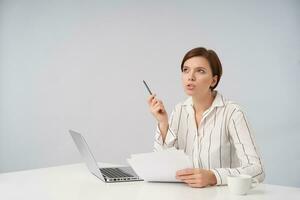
{"type": "Point", "coordinates": [218, 101]}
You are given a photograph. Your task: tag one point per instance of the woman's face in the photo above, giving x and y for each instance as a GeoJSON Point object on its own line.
{"type": "Point", "coordinates": [197, 76]}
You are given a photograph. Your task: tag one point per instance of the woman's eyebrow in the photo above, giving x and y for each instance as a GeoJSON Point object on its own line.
{"type": "Point", "coordinates": [195, 67]}
{"type": "Point", "coordinates": [200, 68]}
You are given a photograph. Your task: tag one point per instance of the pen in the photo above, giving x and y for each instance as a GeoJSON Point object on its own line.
{"type": "Point", "coordinates": [161, 111]}
{"type": "Point", "coordinates": [147, 87]}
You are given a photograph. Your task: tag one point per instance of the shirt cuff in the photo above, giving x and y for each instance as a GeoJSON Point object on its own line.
{"type": "Point", "coordinates": [221, 175]}
{"type": "Point", "coordinates": [170, 139]}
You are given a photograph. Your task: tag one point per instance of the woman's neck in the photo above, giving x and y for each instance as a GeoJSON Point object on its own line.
{"type": "Point", "coordinates": [204, 102]}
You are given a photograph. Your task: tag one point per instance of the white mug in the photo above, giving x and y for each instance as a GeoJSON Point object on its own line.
{"type": "Point", "coordinates": [241, 184]}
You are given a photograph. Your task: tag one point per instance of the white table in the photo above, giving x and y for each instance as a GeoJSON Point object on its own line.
{"type": "Point", "coordinates": [75, 182]}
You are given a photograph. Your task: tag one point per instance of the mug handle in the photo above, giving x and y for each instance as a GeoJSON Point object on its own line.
{"type": "Point", "coordinates": [255, 182]}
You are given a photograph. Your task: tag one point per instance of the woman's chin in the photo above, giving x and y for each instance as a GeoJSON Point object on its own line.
{"type": "Point", "coordinates": [189, 92]}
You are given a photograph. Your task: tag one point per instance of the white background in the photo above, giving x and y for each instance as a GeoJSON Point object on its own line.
{"type": "Point", "coordinates": [80, 65]}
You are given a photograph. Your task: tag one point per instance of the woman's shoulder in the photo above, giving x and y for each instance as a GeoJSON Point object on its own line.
{"type": "Point", "coordinates": [232, 106]}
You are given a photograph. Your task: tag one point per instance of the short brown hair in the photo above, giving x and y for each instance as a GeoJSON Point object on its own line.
{"type": "Point", "coordinates": [212, 58]}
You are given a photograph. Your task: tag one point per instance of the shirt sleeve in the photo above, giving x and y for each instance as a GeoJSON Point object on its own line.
{"type": "Point", "coordinates": [242, 139]}
{"type": "Point", "coordinates": [172, 133]}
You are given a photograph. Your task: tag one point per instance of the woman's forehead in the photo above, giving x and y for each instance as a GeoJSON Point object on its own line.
{"type": "Point", "coordinates": [197, 61]}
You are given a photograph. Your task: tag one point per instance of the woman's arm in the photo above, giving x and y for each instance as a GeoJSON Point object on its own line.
{"type": "Point", "coordinates": [170, 139]}
{"type": "Point", "coordinates": [242, 139]}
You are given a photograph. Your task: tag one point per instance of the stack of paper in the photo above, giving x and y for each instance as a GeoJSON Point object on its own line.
{"type": "Point", "coordinates": [161, 165]}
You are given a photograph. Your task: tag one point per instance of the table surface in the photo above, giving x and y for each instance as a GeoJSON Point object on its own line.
{"type": "Point", "coordinates": [76, 182]}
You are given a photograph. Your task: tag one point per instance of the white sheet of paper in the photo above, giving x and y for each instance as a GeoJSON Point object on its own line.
{"type": "Point", "coordinates": [161, 165]}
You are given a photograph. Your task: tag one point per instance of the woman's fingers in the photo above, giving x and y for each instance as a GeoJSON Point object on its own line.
{"type": "Point", "coordinates": [196, 185]}
{"type": "Point", "coordinates": [158, 108]}
{"type": "Point", "coordinates": [150, 99]}
{"type": "Point", "coordinates": [192, 177]}
{"type": "Point", "coordinates": [193, 180]}
{"type": "Point", "coordinates": [187, 171]}
{"type": "Point", "coordinates": [156, 104]}
{"type": "Point", "coordinates": [187, 177]}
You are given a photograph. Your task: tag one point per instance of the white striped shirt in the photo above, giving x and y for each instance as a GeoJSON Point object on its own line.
{"type": "Point", "coordinates": [223, 142]}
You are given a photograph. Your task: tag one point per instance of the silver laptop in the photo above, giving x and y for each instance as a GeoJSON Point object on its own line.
{"type": "Point", "coordinates": [108, 175]}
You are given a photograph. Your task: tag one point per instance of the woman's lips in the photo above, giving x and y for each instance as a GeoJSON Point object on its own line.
{"type": "Point", "coordinates": [190, 86]}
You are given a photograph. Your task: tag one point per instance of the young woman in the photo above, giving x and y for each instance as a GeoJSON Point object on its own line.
{"type": "Point", "coordinates": [213, 131]}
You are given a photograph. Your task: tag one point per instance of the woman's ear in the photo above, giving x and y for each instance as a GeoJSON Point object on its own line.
{"type": "Point", "coordinates": [214, 82]}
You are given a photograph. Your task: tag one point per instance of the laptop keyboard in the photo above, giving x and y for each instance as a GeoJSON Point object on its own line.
{"type": "Point", "coordinates": [114, 173]}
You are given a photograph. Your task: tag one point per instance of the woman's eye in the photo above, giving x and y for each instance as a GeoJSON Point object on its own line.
{"type": "Point", "coordinates": [184, 70]}
{"type": "Point", "coordinates": [201, 71]}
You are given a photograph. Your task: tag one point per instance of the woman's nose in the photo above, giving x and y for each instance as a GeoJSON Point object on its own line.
{"type": "Point", "coordinates": [191, 77]}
